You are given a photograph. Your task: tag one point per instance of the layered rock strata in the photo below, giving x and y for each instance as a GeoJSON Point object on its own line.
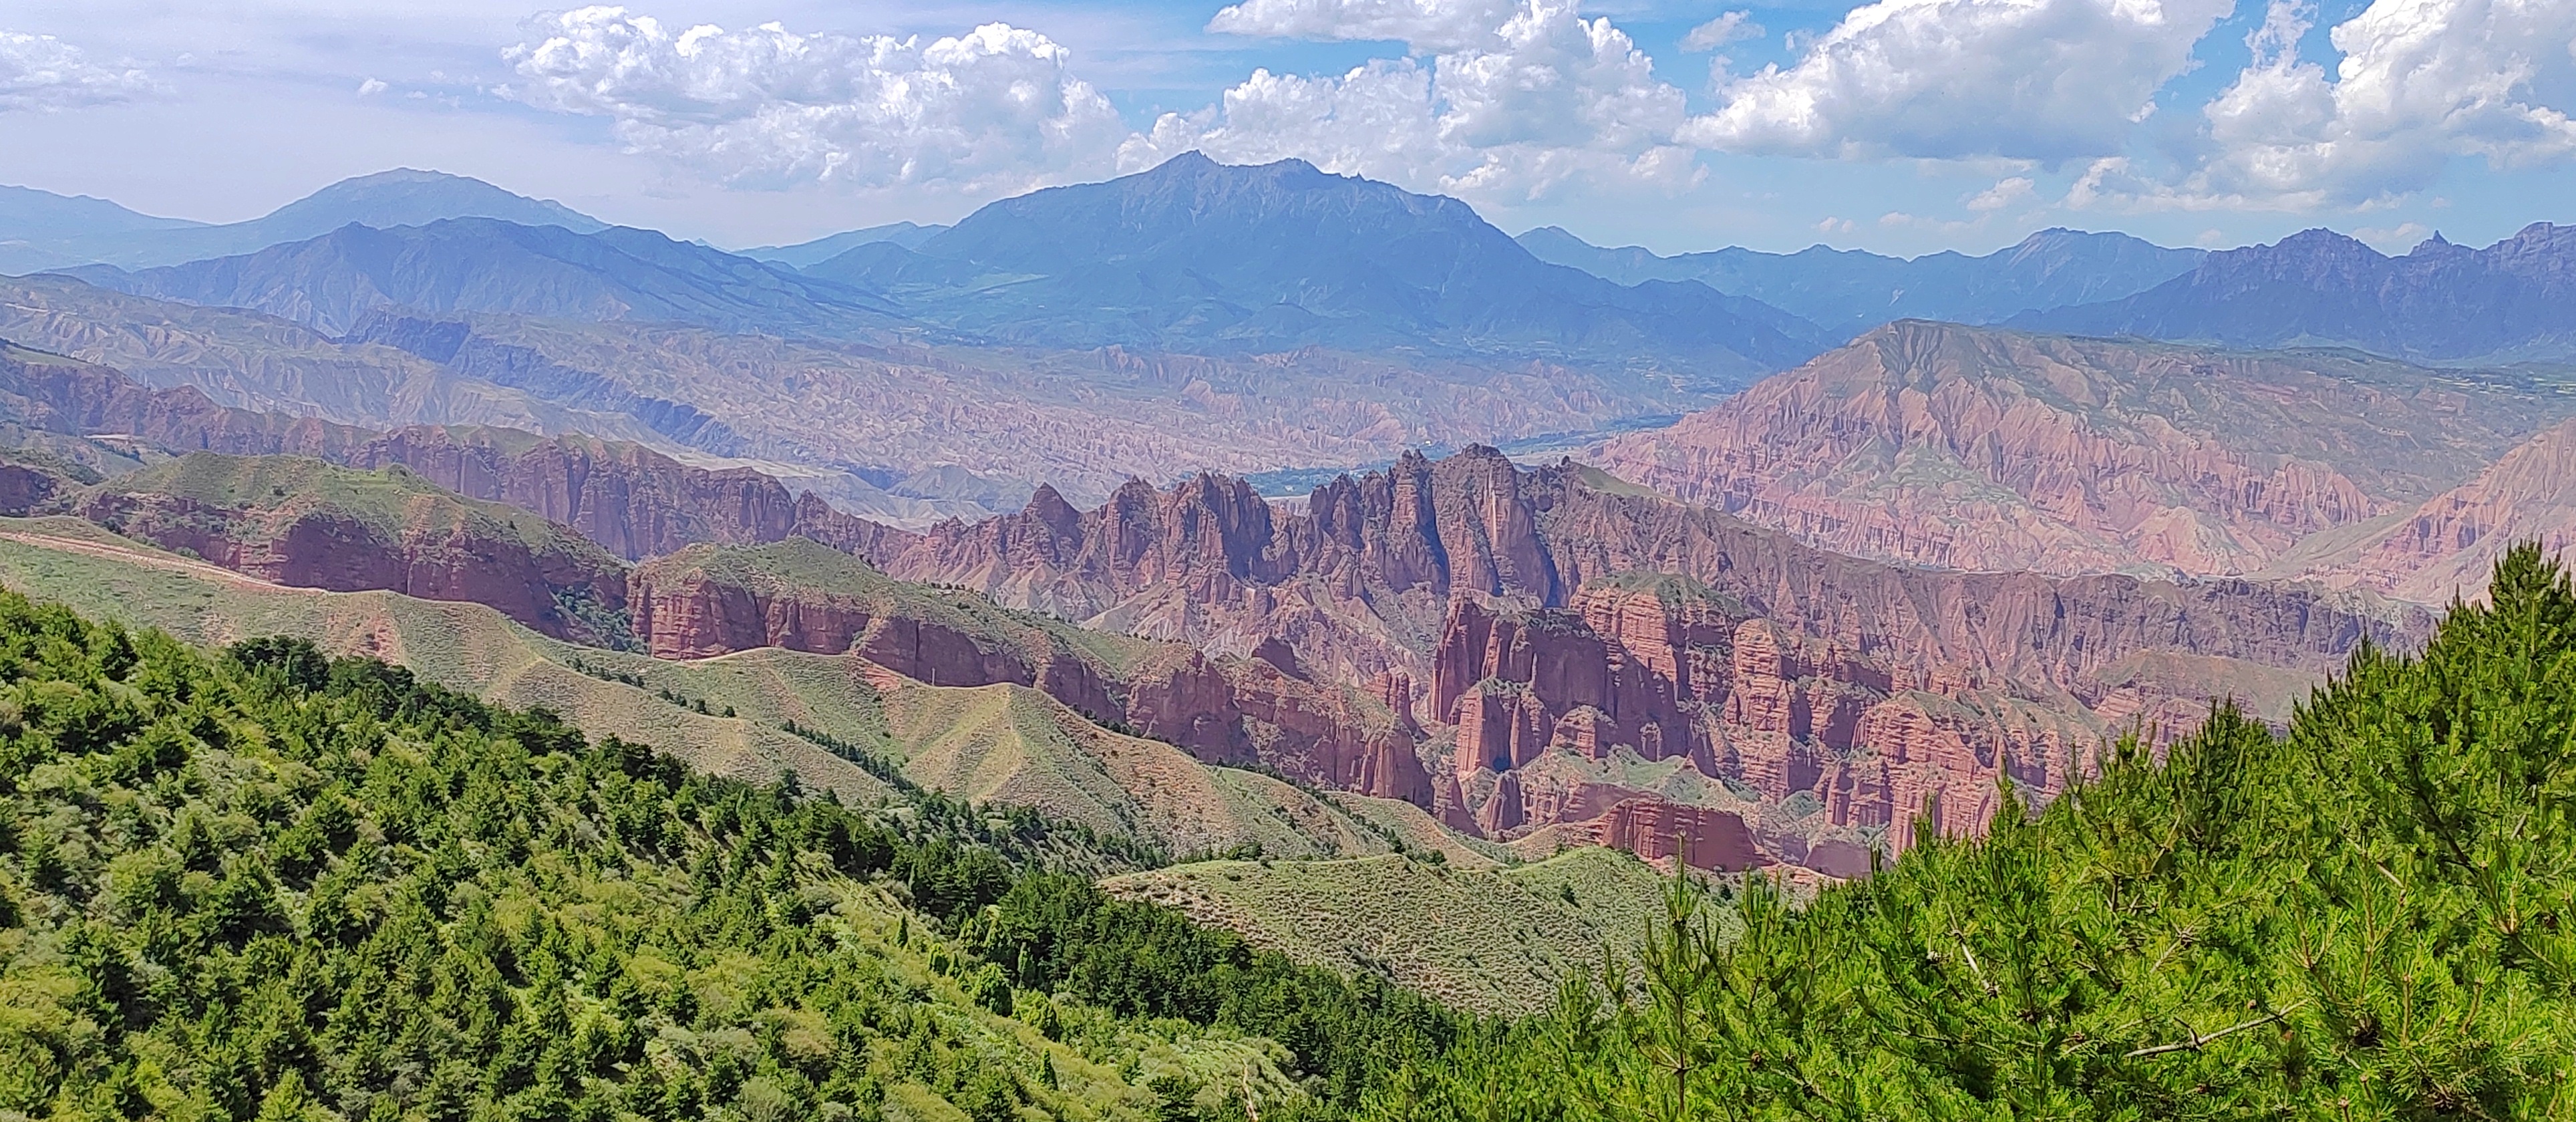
{"type": "Point", "coordinates": [301, 522]}
{"type": "Point", "coordinates": [1527, 601]}
{"type": "Point", "coordinates": [797, 594]}
{"type": "Point", "coordinates": [1975, 448]}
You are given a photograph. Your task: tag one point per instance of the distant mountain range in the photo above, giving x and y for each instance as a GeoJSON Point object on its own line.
{"type": "Point", "coordinates": [1850, 290]}
{"type": "Point", "coordinates": [484, 265]}
{"type": "Point", "coordinates": [906, 234]}
{"type": "Point", "coordinates": [1199, 256]}
{"type": "Point", "coordinates": [2511, 301]}
{"type": "Point", "coordinates": [42, 231]}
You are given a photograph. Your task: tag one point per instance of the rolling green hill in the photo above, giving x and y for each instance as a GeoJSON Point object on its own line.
{"type": "Point", "coordinates": [731, 715]}
{"type": "Point", "coordinates": [266, 884]}
{"type": "Point", "coordinates": [1482, 936]}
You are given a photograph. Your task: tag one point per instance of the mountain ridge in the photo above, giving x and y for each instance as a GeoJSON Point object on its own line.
{"type": "Point", "coordinates": [1854, 290]}
{"type": "Point", "coordinates": [1195, 254]}
{"type": "Point", "coordinates": [386, 199]}
{"type": "Point", "coordinates": [1996, 449]}
{"type": "Point", "coordinates": [2439, 302]}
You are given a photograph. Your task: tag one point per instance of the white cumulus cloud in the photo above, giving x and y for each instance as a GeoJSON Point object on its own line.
{"type": "Point", "coordinates": [994, 110]}
{"type": "Point", "coordinates": [2003, 194]}
{"type": "Point", "coordinates": [2420, 82]}
{"type": "Point", "coordinates": [1537, 99]}
{"type": "Point", "coordinates": [42, 72]}
{"type": "Point", "coordinates": [1433, 24]}
{"type": "Point", "coordinates": [1944, 79]}
{"type": "Point", "coordinates": [1732, 27]}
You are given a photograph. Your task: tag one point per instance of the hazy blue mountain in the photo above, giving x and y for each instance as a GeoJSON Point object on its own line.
{"type": "Point", "coordinates": [401, 197]}
{"type": "Point", "coordinates": [1199, 256]}
{"type": "Point", "coordinates": [2514, 300]}
{"type": "Point", "coordinates": [33, 221]}
{"type": "Point", "coordinates": [482, 265]}
{"type": "Point", "coordinates": [1853, 290]}
{"type": "Point", "coordinates": [906, 234]}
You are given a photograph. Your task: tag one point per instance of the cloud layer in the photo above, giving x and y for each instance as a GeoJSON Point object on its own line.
{"type": "Point", "coordinates": [996, 109]}
{"type": "Point", "coordinates": [1512, 101]}
{"type": "Point", "coordinates": [45, 73]}
{"type": "Point", "coordinates": [1946, 79]}
{"type": "Point", "coordinates": [1500, 102]}
{"type": "Point", "coordinates": [2421, 81]}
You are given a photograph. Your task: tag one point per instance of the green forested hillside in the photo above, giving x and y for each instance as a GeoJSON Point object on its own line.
{"type": "Point", "coordinates": [269, 885]}
{"type": "Point", "coordinates": [2372, 917]}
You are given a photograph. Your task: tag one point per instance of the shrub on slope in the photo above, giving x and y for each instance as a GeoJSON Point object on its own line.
{"type": "Point", "coordinates": [272, 885]}
{"type": "Point", "coordinates": [2372, 917]}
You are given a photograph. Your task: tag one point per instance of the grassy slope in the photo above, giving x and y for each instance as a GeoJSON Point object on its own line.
{"type": "Point", "coordinates": [392, 500]}
{"type": "Point", "coordinates": [800, 567]}
{"type": "Point", "coordinates": [888, 1003]}
{"type": "Point", "coordinates": [1493, 939]}
{"type": "Point", "coordinates": [1003, 743]}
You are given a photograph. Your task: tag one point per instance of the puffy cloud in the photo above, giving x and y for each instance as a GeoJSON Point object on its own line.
{"type": "Point", "coordinates": [42, 72]}
{"type": "Point", "coordinates": [2421, 81]}
{"type": "Point", "coordinates": [2003, 194]}
{"type": "Point", "coordinates": [996, 109]}
{"type": "Point", "coordinates": [2025, 79]}
{"type": "Point", "coordinates": [1434, 24]}
{"type": "Point", "coordinates": [1732, 27]}
{"type": "Point", "coordinates": [1541, 98]}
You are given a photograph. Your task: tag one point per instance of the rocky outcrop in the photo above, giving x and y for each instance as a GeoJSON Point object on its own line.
{"type": "Point", "coordinates": [302, 522]}
{"type": "Point", "coordinates": [54, 394]}
{"type": "Point", "coordinates": [1560, 612]}
{"type": "Point", "coordinates": [2448, 546]}
{"type": "Point", "coordinates": [1362, 579]}
{"type": "Point", "coordinates": [708, 600]}
{"type": "Point", "coordinates": [1981, 449]}
{"type": "Point", "coordinates": [634, 501]}
{"type": "Point", "coordinates": [1661, 831]}
{"type": "Point", "coordinates": [1664, 670]}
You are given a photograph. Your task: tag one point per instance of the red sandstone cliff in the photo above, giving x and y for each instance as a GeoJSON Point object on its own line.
{"type": "Point", "coordinates": [1859, 693]}
{"type": "Point", "coordinates": [709, 600]}
{"type": "Point", "coordinates": [1361, 580]}
{"type": "Point", "coordinates": [302, 522]}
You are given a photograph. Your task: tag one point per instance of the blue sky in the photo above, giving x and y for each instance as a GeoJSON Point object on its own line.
{"type": "Point", "coordinates": [1906, 126]}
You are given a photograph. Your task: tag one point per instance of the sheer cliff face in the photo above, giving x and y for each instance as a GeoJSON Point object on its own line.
{"type": "Point", "coordinates": [1363, 577]}
{"type": "Point", "coordinates": [1993, 450]}
{"type": "Point", "coordinates": [1526, 601]}
{"type": "Point", "coordinates": [302, 522]}
{"type": "Point", "coordinates": [1264, 710]}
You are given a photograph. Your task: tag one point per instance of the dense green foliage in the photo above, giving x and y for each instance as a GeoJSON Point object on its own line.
{"type": "Point", "coordinates": [2372, 917]}
{"type": "Point", "coordinates": [272, 885]}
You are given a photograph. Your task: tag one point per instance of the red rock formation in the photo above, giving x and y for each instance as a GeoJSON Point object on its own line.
{"type": "Point", "coordinates": [708, 600]}
{"type": "Point", "coordinates": [1658, 831]}
{"type": "Point", "coordinates": [1976, 448]}
{"type": "Point", "coordinates": [1874, 690]}
{"type": "Point", "coordinates": [55, 394]}
{"type": "Point", "coordinates": [630, 499]}
{"type": "Point", "coordinates": [2450, 544]}
{"type": "Point", "coordinates": [25, 488]}
{"type": "Point", "coordinates": [636, 502]}
{"type": "Point", "coordinates": [291, 521]}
